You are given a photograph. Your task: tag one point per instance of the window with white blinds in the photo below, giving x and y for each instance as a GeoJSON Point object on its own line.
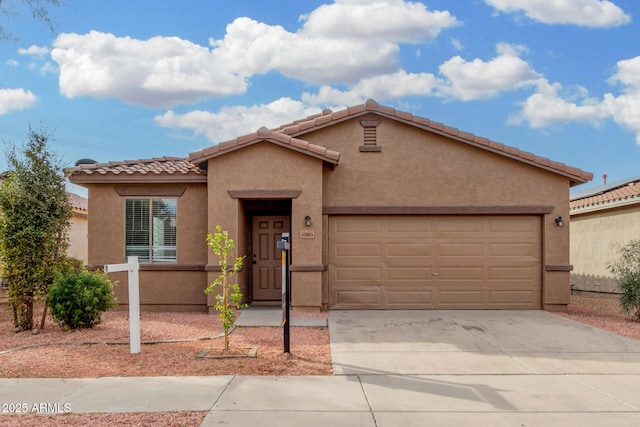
{"type": "Point", "coordinates": [151, 229]}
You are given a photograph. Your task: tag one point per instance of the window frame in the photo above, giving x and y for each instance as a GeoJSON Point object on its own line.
{"type": "Point", "coordinates": [148, 251]}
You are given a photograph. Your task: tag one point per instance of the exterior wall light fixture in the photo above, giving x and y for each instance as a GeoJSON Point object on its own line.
{"type": "Point", "coordinates": [307, 221]}
{"type": "Point", "coordinates": [560, 222]}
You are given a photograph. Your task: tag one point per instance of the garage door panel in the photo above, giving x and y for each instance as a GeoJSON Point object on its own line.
{"type": "Point", "coordinates": [460, 298]}
{"type": "Point", "coordinates": [512, 273]}
{"type": "Point", "coordinates": [513, 224]}
{"type": "Point", "coordinates": [460, 249]}
{"type": "Point", "coordinates": [409, 274]}
{"type": "Point", "coordinates": [358, 274]}
{"type": "Point", "coordinates": [512, 298]}
{"type": "Point", "coordinates": [357, 225]}
{"type": "Point", "coordinates": [409, 249]}
{"type": "Point", "coordinates": [460, 225]}
{"type": "Point", "coordinates": [452, 262]}
{"type": "Point", "coordinates": [510, 249]}
{"type": "Point", "coordinates": [453, 273]}
{"type": "Point", "coordinates": [411, 225]}
{"type": "Point", "coordinates": [358, 298]}
{"type": "Point", "coordinates": [402, 298]}
{"type": "Point", "coordinates": [357, 249]}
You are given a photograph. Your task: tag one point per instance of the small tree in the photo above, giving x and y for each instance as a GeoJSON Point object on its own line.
{"type": "Point", "coordinates": [229, 294]}
{"type": "Point", "coordinates": [34, 219]}
{"type": "Point", "coordinates": [627, 272]}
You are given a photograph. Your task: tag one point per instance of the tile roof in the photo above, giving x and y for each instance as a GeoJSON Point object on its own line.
{"type": "Point", "coordinates": [78, 203]}
{"type": "Point", "coordinates": [264, 134]}
{"type": "Point", "coordinates": [172, 166]}
{"type": "Point", "coordinates": [328, 117]}
{"type": "Point", "coordinates": [624, 194]}
{"type": "Point", "coordinates": [286, 136]}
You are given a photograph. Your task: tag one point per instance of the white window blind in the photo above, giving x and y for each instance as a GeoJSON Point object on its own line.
{"type": "Point", "coordinates": [151, 229]}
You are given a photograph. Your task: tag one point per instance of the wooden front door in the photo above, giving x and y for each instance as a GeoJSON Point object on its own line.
{"type": "Point", "coordinates": [267, 261]}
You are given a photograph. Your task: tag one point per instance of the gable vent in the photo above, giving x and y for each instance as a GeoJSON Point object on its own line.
{"type": "Point", "coordinates": [370, 136]}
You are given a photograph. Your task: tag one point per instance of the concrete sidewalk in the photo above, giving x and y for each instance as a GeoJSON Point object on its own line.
{"type": "Point", "coordinates": [436, 368]}
{"type": "Point", "coordinates": [272, 316]}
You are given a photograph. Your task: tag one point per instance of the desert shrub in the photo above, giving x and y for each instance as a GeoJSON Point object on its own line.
{"type": "Point", "coordinates": [70, 265]}
{"type": "Point", "coordinates": [627, 272]}
{"type": "Point", "coordinates": [78, 300]}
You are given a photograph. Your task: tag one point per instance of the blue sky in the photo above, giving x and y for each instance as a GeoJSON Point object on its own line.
{"type": "Point", "coordinates": [127, 79]}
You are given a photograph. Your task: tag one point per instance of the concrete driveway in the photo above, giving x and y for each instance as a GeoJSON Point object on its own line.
{"type": "Point", "coordinates": [487, 368]}
{"type": "Point", "coordinates": [474, 342]}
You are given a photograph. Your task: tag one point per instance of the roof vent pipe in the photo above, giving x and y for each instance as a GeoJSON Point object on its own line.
{"type": "Point", "coordinates": [604, 178]}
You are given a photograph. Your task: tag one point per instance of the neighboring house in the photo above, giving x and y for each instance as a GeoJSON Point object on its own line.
{"type": "Point", "coordinates": [386, 210]}
{"type": "Point", "coordinates": [78, 244]}
{"type": "Point", "coordinates": [603, 219]}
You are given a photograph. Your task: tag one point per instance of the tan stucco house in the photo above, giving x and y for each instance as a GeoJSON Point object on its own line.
{"type": "Point", "coordinates": [386, 210]}
{"type": "Point", "coordinates": [603, 219]}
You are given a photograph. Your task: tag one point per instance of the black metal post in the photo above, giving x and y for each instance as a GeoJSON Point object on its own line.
{"type": "Point", "coordinates": [286, 290]}
{"type": "Point", "coordinates": [287, 305]}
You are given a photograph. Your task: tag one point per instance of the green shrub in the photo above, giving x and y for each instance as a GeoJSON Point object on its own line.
{"type": "Point", "coordinates": [70, 265]}
{"type": "Point", "coordinates": [78, 300]}
{"type": "Point", "coordinates": [627, 272]}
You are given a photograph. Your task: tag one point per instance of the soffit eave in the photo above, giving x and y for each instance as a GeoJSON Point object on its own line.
{"type": "Point", "coordinates": [307, 152]}
{"type": "Point", "coordinates": [136, 179]}
{"type": "Point", "coordinates": [605, 206]}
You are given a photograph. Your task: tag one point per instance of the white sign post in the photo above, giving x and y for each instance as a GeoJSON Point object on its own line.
{"type": "Point", "coordinates": [133, 268]}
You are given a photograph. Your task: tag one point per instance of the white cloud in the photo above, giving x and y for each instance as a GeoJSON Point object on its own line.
{"type": "Point", "coordinates": [625, 108]}
{"type": "Point", "coordinates": [468, 80]}
{"type": "Point", "coordinates": [34, 50]}
{"type": "Point", "coordinates": [16, 99]}
{"type": "Point", "coordinates": [231, 122]}
{"type": "Point", "coordinates": [342, 42]}
{"type": "Point", "coordinates": [460, 79]}
{"type": "Point", "coordinates": [48, 67]}
{"type": "Point", "coordinates": [161, 71]}
{"type": "Point", "coordinates": [628, 74]}
{"type": "Point", "coordinates": [588, 13]}
{"type": "Point", "coordinates": [547, 107]}
{"type": "Point", "coordinates": [251, 47]}
{"type": "Point", "coordinates": [457, 44]}
{"type": "Point", "coordinates": [397, 20]}
{"type": "Point", "coordinates": [12, 62]}
{"type": "Point", "coordinates": [383, 87]}
{"type": "Point", "coordinates": [552, 104]}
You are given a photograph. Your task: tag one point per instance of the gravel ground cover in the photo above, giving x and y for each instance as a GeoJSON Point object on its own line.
{"type": "Point", "coordinates": [604, 313]}
{"type": "Point", "coordinates": [102, 351]}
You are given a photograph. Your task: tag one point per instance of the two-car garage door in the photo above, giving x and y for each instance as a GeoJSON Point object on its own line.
{"type": "Point", "coordinates": [434, 262]}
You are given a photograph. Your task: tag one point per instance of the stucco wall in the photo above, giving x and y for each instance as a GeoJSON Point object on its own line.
{"type": "Point", "coordinates": [418, 168]}
{"type": "Point", "coordinates": [266, 166]}
{"type": "Point", "coordinates": [78, 240]}
{"type": "Point", "coordinates": [595, 239]}
{"type": "Point", "coordinates": [178, 286]}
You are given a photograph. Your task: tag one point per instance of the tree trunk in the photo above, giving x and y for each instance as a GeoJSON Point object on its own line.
{"type": "Point", "coordinates": [44, 315]}
{"type": "Point", "coordinates": [15, 314]}
{"type": "Point", "coordinates": [25, 314]}
{"type": "Point", "coordinates": [225, 304]}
